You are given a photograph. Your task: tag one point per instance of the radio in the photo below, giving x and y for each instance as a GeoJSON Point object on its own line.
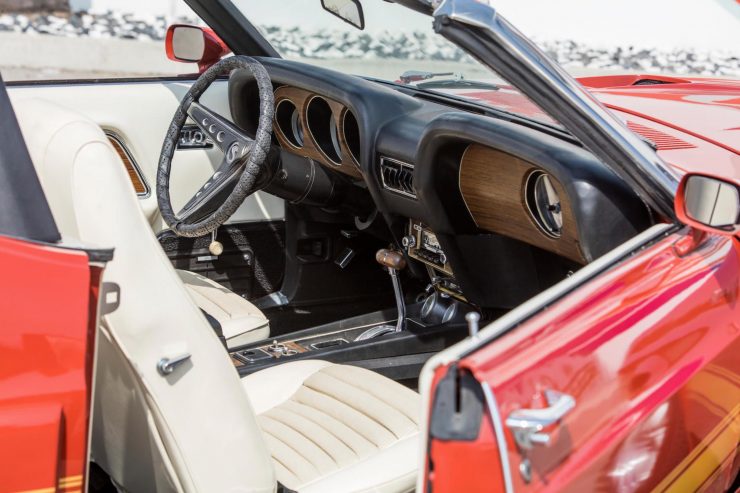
{"type": "Point", "coordinates": [422, 244]}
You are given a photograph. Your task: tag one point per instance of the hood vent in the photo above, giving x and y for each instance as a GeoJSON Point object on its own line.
{"type": "Point", "coordinates": [661, 141]}
{"type": "Point", "coordinates": [651, 82]}
{"type": "Point", "coordinates": [398, 177]}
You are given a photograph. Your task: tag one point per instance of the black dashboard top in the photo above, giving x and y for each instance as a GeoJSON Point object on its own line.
{"type": "Point", "coordinates": [426, 141]}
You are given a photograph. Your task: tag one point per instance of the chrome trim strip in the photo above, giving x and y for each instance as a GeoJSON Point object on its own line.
{"type": "Point", "coordinates": [607, 137]}
{"type": "Point", "coordinates": [147, 190]}
{"type": "Point", "coordinates": [498, 429]}
{"type": "Point", "coordinates": [388, 187]}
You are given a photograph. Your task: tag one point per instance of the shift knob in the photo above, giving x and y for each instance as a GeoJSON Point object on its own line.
{"type": "Point", "coordinates": [391, 259]}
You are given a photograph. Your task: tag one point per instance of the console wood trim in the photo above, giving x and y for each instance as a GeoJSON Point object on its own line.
{"type": "Point", "coordinates": [310, 149]}
{"type": "Point", "coordinates": [492, 186]}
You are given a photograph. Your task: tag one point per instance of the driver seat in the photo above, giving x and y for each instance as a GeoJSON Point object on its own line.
{"type": "Point", "coordinates": [239, 321]}
{"type": "Point", "coordinates": [310, 425]}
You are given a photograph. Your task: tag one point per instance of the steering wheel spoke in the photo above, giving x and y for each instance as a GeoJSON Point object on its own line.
{"type": "Point", "coordinates": [212, 193]}
{"type": "Point", "coordinates": [224, 134]}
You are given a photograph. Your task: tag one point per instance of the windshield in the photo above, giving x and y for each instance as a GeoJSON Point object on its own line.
{"type": "Point", "coordinates": [397, 45]}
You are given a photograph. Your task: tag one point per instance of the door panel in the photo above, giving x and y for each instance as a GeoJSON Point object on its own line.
{"type": "Point", "coordinates": [48, 322]}
{"type": "Point", "coordinates": [139, 113]}
{"type": "Point", "coordinates": [648, 350]}
{"type": "Point", "coordinates": [136, 115]}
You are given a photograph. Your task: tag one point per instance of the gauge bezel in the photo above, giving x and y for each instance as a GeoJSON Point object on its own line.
{"type": "Point", "coordinates": [288, 126]}
{"type": "Point", "coordinates": [531, 183]}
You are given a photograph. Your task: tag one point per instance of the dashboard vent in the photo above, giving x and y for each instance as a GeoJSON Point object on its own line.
{"type": "Point", "coordinates": [398, 177]}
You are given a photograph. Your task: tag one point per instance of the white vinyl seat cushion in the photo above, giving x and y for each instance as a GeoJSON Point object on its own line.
{"type": "Point", "coordinates": [336, 428]}
{"type": "Point", "coordinates": [241, 321]}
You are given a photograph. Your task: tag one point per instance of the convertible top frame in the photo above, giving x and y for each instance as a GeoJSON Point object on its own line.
{"type": "Point", "coordinates": [24, 211]}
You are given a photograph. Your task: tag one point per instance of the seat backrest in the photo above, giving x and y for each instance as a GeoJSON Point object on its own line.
{"type": "Point", "coordinates": [191, 430]}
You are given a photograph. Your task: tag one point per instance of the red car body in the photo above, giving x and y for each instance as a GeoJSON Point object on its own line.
{"type": "Point", "coordinates": [47, 347]}
{"type": "Point", "coordinates": [649, 350]}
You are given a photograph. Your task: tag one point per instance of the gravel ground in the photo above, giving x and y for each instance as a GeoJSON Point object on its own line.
{"type": "Point", "coordinates": [327, 46]}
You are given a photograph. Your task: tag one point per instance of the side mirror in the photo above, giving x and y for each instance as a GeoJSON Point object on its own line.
{"type": "Point", "coordinates": [709, 204]}
{"type": "Point", "coordinates": [350, 11]}
{"type": "Point", "coordinates": [193, 44]}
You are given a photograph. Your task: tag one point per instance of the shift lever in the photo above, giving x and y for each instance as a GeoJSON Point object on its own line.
{"type": "Point", "coordinates": [394, 262]}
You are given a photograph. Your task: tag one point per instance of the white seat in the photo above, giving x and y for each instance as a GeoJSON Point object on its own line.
{"type": "Point", "coordinates": [241, 322]}
{"type": "Point", "coordinates": [335, 427]}
{"type": "Point", "coordinates": [312, 425]}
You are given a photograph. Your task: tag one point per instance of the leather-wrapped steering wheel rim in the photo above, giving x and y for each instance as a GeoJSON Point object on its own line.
{"type": "Point", "coordinates": [242, 154]}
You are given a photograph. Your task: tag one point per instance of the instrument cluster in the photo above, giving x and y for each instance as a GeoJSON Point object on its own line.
{"type": "Point", "coordinates": [319, 128]}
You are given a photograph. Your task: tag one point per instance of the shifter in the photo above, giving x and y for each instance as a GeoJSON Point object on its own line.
{"type": "Point", "coordinates": [394, 262]}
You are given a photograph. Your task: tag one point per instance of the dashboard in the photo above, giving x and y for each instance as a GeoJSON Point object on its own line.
{"type": "Point", "coordinates": [491, 209]}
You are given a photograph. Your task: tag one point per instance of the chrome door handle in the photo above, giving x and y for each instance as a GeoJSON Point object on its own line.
{"type": "Point", "coordinates": [165, 366]}
{"type": "Point", "coordinates": [527, 424]}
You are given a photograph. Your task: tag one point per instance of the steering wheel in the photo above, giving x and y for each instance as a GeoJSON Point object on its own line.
{"type": "Point", "coordinates": [243, 161]}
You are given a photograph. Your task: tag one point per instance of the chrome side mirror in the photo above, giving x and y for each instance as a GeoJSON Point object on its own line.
{"type": "Point", "coordinates": [709, 203]}
{"type": "Point", "coordinates": [188, 43]}
{"type": "Point", "coordinates": [194, 44]}
{"type": "Point", "coordinates": [350, 11]}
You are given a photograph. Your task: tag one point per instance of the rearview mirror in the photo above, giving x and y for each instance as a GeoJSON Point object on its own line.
{"type": "Point", "coordinates": [194, 44]}
{"type": "Point", "coordinates": [709, 203]}
{"type": "Point", "coordinates": [350, 11]}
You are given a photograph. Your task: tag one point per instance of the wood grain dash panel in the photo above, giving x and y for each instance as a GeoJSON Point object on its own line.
{"type": "Point", "coordinates": [133, 174]}
{"type": "Point", "coordinates": [300, 98]}
{"type": "Point", "coordinates": [492, 185]}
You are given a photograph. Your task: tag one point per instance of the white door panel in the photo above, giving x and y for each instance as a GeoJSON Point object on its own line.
{"type": "Point", "coordinates": [140, 113]}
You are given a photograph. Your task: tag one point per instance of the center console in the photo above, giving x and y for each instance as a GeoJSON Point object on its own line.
{"type": "Point", "coordinates": [398, 355]}
{"type": "Point", "coordinates": [393, 342]}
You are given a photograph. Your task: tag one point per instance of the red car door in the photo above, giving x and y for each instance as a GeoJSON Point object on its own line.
{"type": "Point", "coordinates": [48, 320]}
{"type": "Point", "coordinates": [629, 383]}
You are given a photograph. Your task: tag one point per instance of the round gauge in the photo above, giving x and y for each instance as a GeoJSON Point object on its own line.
{"type": "Point", "coordinates": [288, 121]}
{"type": "Point", "coordinates": [295, 126]}
{"type": "Point", "coordinates": [543, 203]}
{"type": "Point", "coordinates": [322, 129]}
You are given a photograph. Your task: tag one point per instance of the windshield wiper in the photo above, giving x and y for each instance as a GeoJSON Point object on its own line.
{"type": "Point", "coordinates": [417, 77]}
{"type": "Point", "coordinates": [411, 76]}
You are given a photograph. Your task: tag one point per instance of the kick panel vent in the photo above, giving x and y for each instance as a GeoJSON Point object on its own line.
{"type": "Point", "coordinates": [398, 177]}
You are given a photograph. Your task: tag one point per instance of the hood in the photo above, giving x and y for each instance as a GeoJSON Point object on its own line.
{"type": "Point", "coordinates": [708, 109]}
